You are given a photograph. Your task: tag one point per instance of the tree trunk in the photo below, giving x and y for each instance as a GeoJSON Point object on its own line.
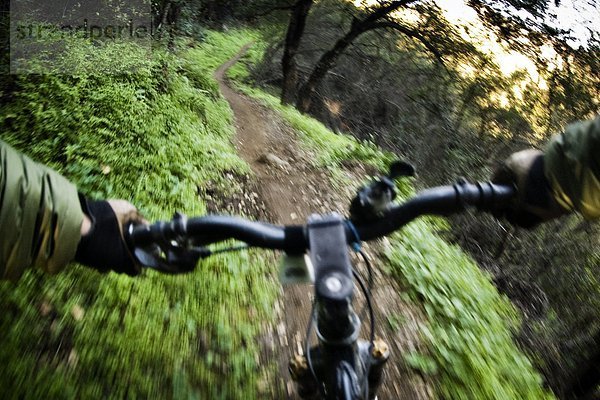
{"type": "Point", "coordinates": [328, 60]}
{"type": "Point", "coordinates": [587, 377]}
{"type": "Point", "coordinates": [162, 16]}
{"type": "Point", "coordinates": [325, 63]}
{"type": "Point", "coordinates": [173, 14]}
{"type": "Point", "coordinates": [293, 36]}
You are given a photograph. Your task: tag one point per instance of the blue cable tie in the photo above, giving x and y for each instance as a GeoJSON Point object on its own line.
{"type": "Point", "coordinates": [356, 246]}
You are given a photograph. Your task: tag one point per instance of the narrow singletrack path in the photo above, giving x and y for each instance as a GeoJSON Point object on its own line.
{"type": "Point", "coordinates": [291, 189]}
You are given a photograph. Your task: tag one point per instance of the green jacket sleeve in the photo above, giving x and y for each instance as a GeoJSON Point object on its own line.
{"type": "Point", "coordinates": [572, 162]}
{"type": "Point", "coordinates": [40, 216]}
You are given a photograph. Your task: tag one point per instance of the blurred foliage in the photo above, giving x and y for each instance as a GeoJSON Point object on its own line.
{"type": "Point", "coordinates": [472, 351]}
{"type": "Point", "coordinates": [164, 132]}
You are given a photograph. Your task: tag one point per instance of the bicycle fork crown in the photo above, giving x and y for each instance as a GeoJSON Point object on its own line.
{"type": "Point", "coordinates": [309, 388]}
{"type": "Point", "coordinates": [339, 356]}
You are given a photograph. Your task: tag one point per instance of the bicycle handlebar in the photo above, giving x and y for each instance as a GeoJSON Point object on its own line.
{"type": "Point", "coordinates": [173, 247]}
{"type": "Point", "coordinates": [442, 200]}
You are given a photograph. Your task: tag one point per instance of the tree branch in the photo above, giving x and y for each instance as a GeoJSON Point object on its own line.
{"type": "Point", "coordinates": [410, 33]}
{"type": "Point", "coordinates": [384, 10]}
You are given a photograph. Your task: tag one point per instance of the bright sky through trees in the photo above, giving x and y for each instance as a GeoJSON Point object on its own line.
{"type": "Point", "coordinates": [581, 17]}
{"type": "Point", "coordinates": [509, 61]}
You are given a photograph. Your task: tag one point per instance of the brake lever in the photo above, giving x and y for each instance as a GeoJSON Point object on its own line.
{"type": "Point", "coordinates": [168, 256]}
{"type": "Point", "coordinates": [173, 260]}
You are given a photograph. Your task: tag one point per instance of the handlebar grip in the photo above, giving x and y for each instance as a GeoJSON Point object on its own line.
{"type": "Point", "coordinates": [442, 201]}
{"type": "Point", "coordinates": [207, 230]}
{"type": "Point", "coordinates": [143, 235]}
{"type": "Point", "coordinates": [485, 196]}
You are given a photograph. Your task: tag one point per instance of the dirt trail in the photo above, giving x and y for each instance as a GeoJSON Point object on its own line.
{"type": "Point", "coordinates": [291, 189]}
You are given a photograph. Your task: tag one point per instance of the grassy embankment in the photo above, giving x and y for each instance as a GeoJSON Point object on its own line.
{"type": "Point", "coordinates": [468, 330]}
{"type": "Point", "coordinates": [153, 136]}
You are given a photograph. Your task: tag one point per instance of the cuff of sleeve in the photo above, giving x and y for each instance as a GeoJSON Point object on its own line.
{"type": "Point", "coordinates": [67, 231]}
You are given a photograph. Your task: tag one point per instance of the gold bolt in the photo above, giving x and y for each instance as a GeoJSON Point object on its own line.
{"type": "Point", "coordinates": [298, 366]}
{"type": "Point", "coordinates": [380, 349]}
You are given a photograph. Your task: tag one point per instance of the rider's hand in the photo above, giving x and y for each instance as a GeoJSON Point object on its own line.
{"type": "Point", "coordinates": [102, 246]}
{"type": "Point", "coordinates": [534, 203]}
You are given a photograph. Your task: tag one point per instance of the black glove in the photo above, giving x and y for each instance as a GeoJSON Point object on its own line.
{"type": "Point", "coordinates": [534, 203]}
{"type": "Point", "coordinates": [103, 247]}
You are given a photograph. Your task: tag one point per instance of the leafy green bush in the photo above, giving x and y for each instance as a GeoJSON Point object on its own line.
{"type": "Point", "coordinates": [154, 134]}
{"type": "Point", "coordinates": [469, 330]}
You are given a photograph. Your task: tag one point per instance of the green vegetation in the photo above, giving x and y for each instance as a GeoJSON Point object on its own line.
{"type": "Point", "coordinates": [151, 127]}
{"type": "Point", "coordinates": [155, 136]}
{"type": "Point", "coordinates": [469, 324]}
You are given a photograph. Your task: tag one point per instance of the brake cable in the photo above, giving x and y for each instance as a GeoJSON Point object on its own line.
{"type": "Point", "coordinates": [356, 246]}
{"type": "Point", "coordinates": [309, 329]}
{"type": "Point", "coordinates": [372, 326]}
